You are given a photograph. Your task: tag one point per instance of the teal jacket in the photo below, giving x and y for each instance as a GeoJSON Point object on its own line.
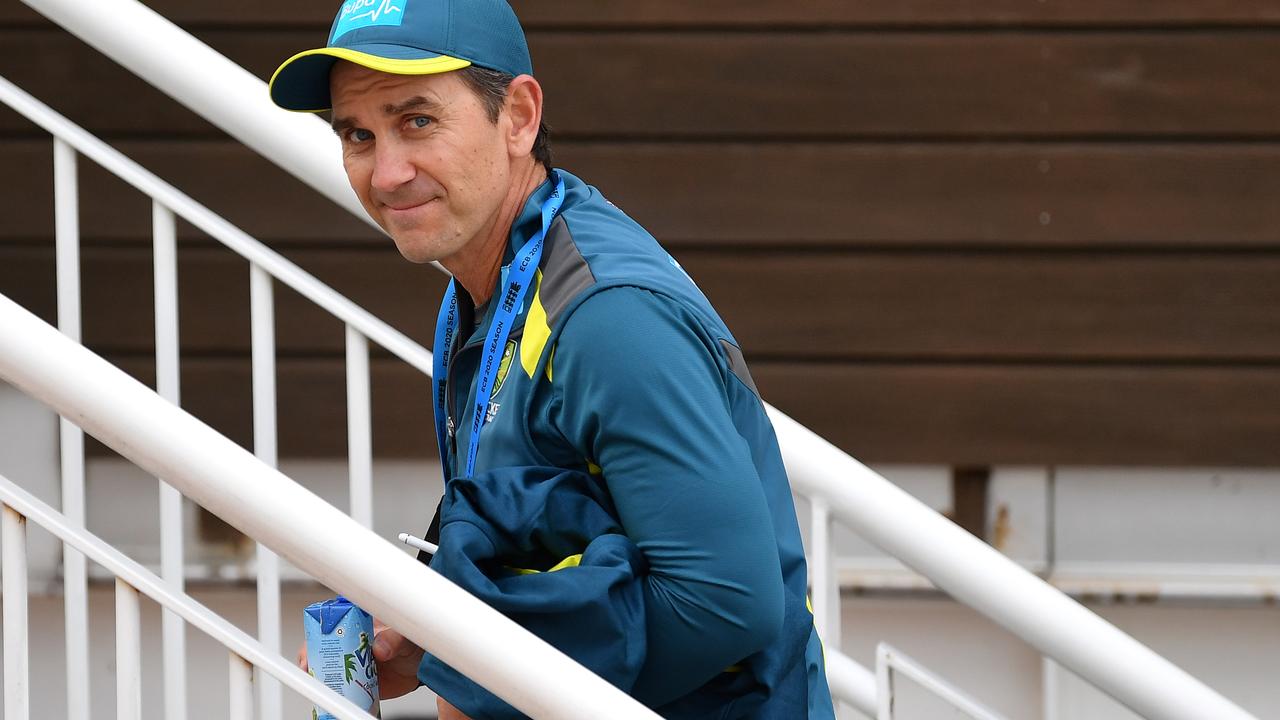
{"type": "Point", "coordinates": [619, 367]}
{"type": "Point", "coordinates": [543, 547]}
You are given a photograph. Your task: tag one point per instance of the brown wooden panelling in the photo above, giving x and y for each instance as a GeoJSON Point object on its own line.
{"type": "Point", "coordinates": [954, 414]}
{"type": "Point", "coordinates": [753, 13]}
{"type": "Point", "coordinates": [978, 232]}
{"type": "Point", "coordinates": [771, 13]}
{"type": "Point", "coordinates": [1157, 307]}
{"type": "Point", "coordinates": [891, 85]}
{"type": "Point", "coordinates": [1045, 306]}
{"type": "Point", "coordinates": [966, 415]}
{"type": "Point", "coordinates": [213, 294]}
{"type": "Point", "coordinates": [311, 403]}
{"type": "Point", "coordinates": [903, 85]}
{"type": "Point", "coordinates": [770, 195]}
{"type": "Point", "coordinates": [229, 178]}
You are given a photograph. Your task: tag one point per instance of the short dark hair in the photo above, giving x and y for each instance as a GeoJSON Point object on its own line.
{"type": "Point", "coordinates": [491, 87]}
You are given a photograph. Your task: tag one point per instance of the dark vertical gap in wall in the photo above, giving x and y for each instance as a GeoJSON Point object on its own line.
{"type": "Point", "coordinates": [969, 490]}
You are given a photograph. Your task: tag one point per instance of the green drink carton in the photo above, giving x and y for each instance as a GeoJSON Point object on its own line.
{"type": "Point", "coordinates": [340, 652]}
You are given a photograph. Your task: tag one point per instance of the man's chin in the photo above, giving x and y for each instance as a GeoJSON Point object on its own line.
{"type": "Point", "coordinates": [420, 247]}
{"type": "Point", "coordinates": [416, 253]}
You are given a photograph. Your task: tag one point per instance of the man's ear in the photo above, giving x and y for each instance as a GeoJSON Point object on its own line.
{"type": "Point", "coordinates": [524, 112]}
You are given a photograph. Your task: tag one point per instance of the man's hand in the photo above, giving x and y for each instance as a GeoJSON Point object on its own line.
{"type": "Point", "coordinates": [398, 659]}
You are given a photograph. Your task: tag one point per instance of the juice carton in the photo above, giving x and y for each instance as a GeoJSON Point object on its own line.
{"type": "Point", "coordinates": [340, 652]}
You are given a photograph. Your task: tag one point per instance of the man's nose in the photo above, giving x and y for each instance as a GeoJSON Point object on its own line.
{"type": "Point", "coordinates": [391, 167]}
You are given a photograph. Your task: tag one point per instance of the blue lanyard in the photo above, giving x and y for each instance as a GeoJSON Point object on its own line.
{"type": "Point", "coordinates": [510, 301]}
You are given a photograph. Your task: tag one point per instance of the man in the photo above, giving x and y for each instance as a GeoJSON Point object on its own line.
{"type": "Point", "coordinates": [571, 340]}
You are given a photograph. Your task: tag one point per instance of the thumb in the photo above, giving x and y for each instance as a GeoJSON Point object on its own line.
{"type": "Point", "coordinates": [385, 644]}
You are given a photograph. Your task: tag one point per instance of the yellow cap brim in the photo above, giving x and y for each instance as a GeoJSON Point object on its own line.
{"type": "Point", "coordinates": [301, 83]}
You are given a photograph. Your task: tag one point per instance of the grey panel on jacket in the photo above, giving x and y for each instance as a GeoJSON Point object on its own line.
{"type": "Point", "coordinates": [738, 364]}
{"type": "Point", "coordinates": [564, 272]}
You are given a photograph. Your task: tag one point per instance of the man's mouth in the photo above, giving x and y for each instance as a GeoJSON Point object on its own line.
{"type": "Point", "coordinates": [400, 207]}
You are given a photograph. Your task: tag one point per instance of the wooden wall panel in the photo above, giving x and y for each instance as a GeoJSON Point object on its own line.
{"type": "Point", "coordinates": [213, 302]}
{"type": "Point", "coordinates": [253, 194]}
{"type": "Point", "coordinates": [984, 307]}
{"type": "Point", "coordinates": [888, 413]}
{"type": "Point", "coordinates": [910, 84]}
{"type": "Point", "coordinates": [1056, 414]}
{"type": "Point", "coordinates": [787, 85]}
{"type": "Point", "coordinates": [311, 403]}
{"type": "Point", "coordinates": [765, 195]}
{"type": "Point", "coordinates": [762, 14]}
{"type": "Point", "coordinates": [1159, 308]}
{"type": "Point", "coordinates": [945, 230]}
{"type": "Point", "coordinates": [768, 14]}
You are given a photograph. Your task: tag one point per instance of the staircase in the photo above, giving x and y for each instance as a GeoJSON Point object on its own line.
{"type": "Point", "coordinates": [193, 461]}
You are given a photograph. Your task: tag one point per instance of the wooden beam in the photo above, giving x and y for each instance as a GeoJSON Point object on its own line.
{"type": "Point", "coordinates": [963, 85]}
{"type": "Point", "coordinates": [952, 414]}
{"type": "Point", "coordinates": [952, 195]}
{"type": "Point", "coordinates": [754, 13]}
{"type": "Point", "coordinates": [1056, 307]}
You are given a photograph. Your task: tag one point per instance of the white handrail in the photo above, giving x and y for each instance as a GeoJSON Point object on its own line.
{"type": "Point", "coordinates": [137, 577]}
{"type": "Point", "coordinates": [203, 80]}
{"type": "Point", "coordinates": [323, 541]}
{"type": "Point", "coordinates": [218, 228]}
{"type": "Point", "coordinates": [981, 577]}
{"type": "Point", "coordinates": [967, 568]}
{"type": "Point", "coordinates": [850, 681]}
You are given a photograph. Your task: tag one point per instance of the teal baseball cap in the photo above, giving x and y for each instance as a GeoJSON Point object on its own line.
{"type": "Point", "coordinates": [405, 37]}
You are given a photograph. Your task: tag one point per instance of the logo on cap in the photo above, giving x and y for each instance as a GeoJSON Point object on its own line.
{"type": "Point", "coordinates": [358, 14]}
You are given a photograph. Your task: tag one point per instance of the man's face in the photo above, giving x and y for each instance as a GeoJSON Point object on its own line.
{"type": "Point", "coordinates": [422, 155]}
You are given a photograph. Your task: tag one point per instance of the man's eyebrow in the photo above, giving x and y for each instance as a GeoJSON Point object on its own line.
{"type": "Point", "coordinates": [416, 102]}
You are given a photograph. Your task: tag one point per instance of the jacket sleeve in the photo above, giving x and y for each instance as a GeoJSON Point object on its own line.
{"type": "Point", "coordinates": [638, 391]}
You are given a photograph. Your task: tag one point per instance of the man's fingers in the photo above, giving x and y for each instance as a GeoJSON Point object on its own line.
{"type": "Point", "coordinates": [390, 644]}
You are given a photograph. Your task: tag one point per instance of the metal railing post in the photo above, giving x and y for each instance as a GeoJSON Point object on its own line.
{"type": "Point", "coordinates": [1049, 688]}
{"type": "Point", "coordinates": [17, 674]}
{"type": "Point", "coordinates": [884, 688]}
{"type": "Point", "coordinates": [359, 430]}
{"type": "Point", "coordinates": [825, 617]}
{"type": "Point", "coordinates": [263, 349]}
{"type": "Point", "coordinates": [167, 385]}
{"type": "Point", "coordinates": [240, 677]}
{"type": "Point", "coordinates": [850, 682]}
{"type": "Point", "coordinates": [889, 659]}
{"type": "Point", "coordinates": [128, 652]}
{"type": "Point", "coordinates": [66, 205]}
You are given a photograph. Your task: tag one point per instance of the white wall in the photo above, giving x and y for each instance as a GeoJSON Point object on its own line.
{"type": "Point", "coordinates": [1236, 650]}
